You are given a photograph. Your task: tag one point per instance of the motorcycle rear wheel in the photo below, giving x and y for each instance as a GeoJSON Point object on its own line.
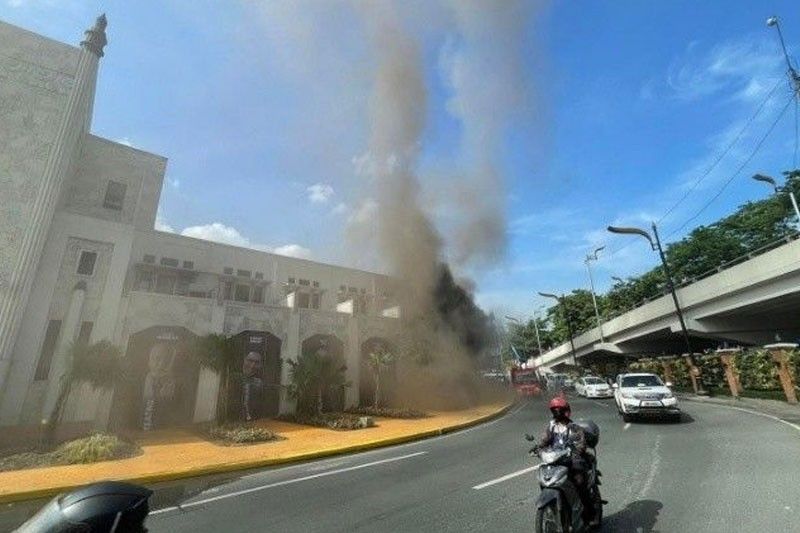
{"type": "Point", "coordinates": [548, 520]}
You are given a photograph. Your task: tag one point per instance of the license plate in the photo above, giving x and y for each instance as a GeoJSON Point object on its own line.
{"type": "Point", "coordinates": [651, 404]}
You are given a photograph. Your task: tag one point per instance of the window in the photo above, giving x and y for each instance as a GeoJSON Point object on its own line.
{"type": "Point", "coordinates": [304, 282]}
{"type": "Point", "coordinates": [227, 291]}
{"type": "Point", "coordinates": [48, 348]}
{"type": "Point", "coordinates": [149, 259]}
{"type": "Point", "coordinates": [188, 265]}
{"type": "Point", "coordinates": [86, 263]}
{"type": "Point", "coordinates": [169, 262]}
{"type": "Point", "coordinates": [315, 301]}
{"type": "Point", "coordinates": [258, 295]}
{"type": "Point", "coordinates": [242, 292]}
{"type": "Point", "coordinates": [342, 288]}
{"type": "Point", "coordinates": [144, 280]}
{"type": "Point", "coordinates": [291, 281]}
{"type": "Point", "coordinates": [316, 284]}
{"type": "Point", "coordinates": [243, 273]}
{"type": "Point", "coordinates": [302, 300]}
{"type": "Point", "coordinates": [165, 283]}
{"type": "Point", "coordinates": [85, 332]}
{"type": "Point", "coordinates": [259, 275]}
{"type": "Point", "coordinates": [115, 195]}
{"type": "Point", "coordinates": [228, 271]}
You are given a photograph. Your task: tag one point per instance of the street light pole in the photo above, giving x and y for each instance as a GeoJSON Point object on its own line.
{"type": "Point", "coordinates": [560, 300]}
{"type": "Point", "coordinates": [536, 329]}
{"type": "Point", "coordinates": [656, 246]}
{"type": "Point", "coordinates": [589, 259]}
{"type": "Point", "coordinates": [793, 76]}
{"type": "Point", "coordinates": [778, 190]}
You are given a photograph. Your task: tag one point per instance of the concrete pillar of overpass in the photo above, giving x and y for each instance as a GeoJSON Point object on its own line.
{"type": "Point", "coordinates": [780, 354]}
{"type": "Point", "coordinates": [728, 358]}
{"type": "Point", "coordinates": [694, 371]}
{"type": "Point", "coordinates": [667, 366]}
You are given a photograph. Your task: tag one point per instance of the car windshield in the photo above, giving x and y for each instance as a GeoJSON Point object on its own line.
{"type": "Point", "coordinates": [525, 378]}
{"type": "Point", "coordinates": [593, 381]}
{"type": "Point", "coordinates": [642, 381]}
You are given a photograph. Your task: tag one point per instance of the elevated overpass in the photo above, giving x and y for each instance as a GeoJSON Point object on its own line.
{"type": "Point", "coordinates": [746, 303]}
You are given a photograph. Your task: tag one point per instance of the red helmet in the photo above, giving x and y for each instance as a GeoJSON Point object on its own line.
{"type": "Point", "coordinates": [559, 403]}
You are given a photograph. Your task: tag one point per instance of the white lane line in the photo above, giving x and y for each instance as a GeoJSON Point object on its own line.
{"type": "Point", "coordinates": [282, 483]}
{"type": "Point", "coordinates": [626, 426]}
{"type": "Point", "coordinates": [775, 418]}
{"type": "Point", "coordinates": [600, 404]}
{"type": "Point", "coordinates": [506, 477]}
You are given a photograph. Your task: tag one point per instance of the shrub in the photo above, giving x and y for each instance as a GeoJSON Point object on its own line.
{"type": "Point", "coordinates": [97, 447]}
{"type": "Point", "coordinates": [757, 371]}
{"type": "Point", "coordinates": [241, 434]}
{"type": "Point", "coordinates": [340, 421]}
{"type": "Point", "coordinates": [388, 412]}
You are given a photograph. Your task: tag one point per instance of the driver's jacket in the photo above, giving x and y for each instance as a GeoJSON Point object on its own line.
{"type": "Point", "coordinates": [573, 437]}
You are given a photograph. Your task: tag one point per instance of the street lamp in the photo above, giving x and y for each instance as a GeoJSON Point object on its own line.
{"type": "Point", "coordinates": [618, 280]}
{"type": "Point", "coordinates": [656, 246]}
{"type": "Point", "coordinates": [778, 190]}
{"type": "Point", "coordinates": [589, 258]}
{"type": "Point", "coordinates": [794, 77]}
{"type": "Point", "coordinates": [536, 327]}
{"type": "Point", "coordinates": [560, 300]}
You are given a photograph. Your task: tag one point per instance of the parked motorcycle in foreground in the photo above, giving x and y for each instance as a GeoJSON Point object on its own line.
{"type": "Point", "coordinates": [559, 508]}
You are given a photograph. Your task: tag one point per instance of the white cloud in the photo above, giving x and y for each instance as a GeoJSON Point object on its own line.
{"type": "Point", "coordinates": [740, 69]}
{"type": "Point", "coordinates": [126, 141]}
{"type": "Point", "coordinates": [15, 3]}
{"type": "Point", "coordinates": [340, 209]}
{"type": "Point", "coordinates": [319, 193]}
{"type": "Point", "coordinates": [293, 250]}
{"type": "Point", "coordinates": [218, 232]}
{"type": "Point", "coordinates": [161, 225]}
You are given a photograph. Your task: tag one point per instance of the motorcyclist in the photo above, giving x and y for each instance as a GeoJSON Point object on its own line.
{"type": "Point", "coordinates": [562, 432]}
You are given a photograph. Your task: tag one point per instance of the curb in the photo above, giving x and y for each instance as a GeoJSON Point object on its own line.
{"type": "Point", "coordinates": [729, 405]}
{"type": "Point", "coordinates": [231, 467]}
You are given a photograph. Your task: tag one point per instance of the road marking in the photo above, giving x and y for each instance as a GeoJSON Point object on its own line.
{"type": "Point", "coordinates": [282, 483]}
{"type": "Point", "coordinates": [626, 426]}
{"type": "Point", "coordinates": [654, 464]}
{"type": "Point", "coordinates": [506, 477]}
{"type": "Point", "coordinates": [765, 415]}
{"type": "Point", "coordinates": [599, 403]}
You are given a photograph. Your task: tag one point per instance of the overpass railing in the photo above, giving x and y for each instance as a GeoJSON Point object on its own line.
{"type": "Point", "coordinates": [724, 266]}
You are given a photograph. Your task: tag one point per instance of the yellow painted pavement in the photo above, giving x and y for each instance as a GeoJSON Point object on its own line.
{"type": "Point", "coordinates": [174, 454]}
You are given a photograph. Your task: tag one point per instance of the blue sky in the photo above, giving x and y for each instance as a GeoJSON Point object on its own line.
{"type": "Point", "coordinates": [262, 112]}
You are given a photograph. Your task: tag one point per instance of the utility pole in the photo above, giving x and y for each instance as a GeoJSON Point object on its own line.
{"type": "Point", "coordinates": [589, 259]}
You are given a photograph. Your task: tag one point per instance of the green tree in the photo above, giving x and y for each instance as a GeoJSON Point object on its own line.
{"type": "Point", "coordinates": [99, 365]}
{"type": "Point", "coordinates": [379, 361]}
{"type": "Point", "coordinates": [313, 376]}
{"type": "Point", "coordinates": [578, 304]}
{"type": "Point", "coordinates": [219, 354]}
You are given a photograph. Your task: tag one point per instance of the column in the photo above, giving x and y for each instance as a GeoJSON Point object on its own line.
{"type": "Point", "coordinates": [69, 331]}
{"type": "Point", "coordinates": [66, 145]}
{"type": "Point", "coordinates": [290, 351]}
{"type": "Point", "coordinates": [667, 366]}
{"type": "Point", "coordinates": [728, 358]}
{"type": "Point", "coordinates": [694, 371]}
{"type": "Point", "coordinates": [780, 355]}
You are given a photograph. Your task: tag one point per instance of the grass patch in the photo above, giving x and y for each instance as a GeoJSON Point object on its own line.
{"type": "Point", "coordinates": [388, 412]}
{"type": "Point", "coordinates": [240, 434]}
{"type": "Point", "coordinates": [92, 449]}
{"type": "Point", "coordinates": [338, 421]}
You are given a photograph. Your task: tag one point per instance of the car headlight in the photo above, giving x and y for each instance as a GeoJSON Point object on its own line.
{"type": "Point", "coordinates": [668, 395]}
{"type": "Point", "coordinates": [627, 396]}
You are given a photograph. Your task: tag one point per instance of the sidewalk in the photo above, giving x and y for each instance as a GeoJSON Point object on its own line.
{"type": "Point", "coordinates": [784, 411]}
{"type": "Point", "coordinates": [174, 454]}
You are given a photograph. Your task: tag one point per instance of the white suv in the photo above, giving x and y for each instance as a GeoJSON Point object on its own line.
{"type": "Point", "coordinates": [645, 395]}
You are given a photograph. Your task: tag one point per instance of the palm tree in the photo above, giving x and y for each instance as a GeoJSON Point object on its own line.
{"type": "Point", "coordinates": [218, 353]}
{"type": "Point", "coordinates": [379, 361]}
{"type": "Point", "coordinates": [313, 376]}
{"type": "Point", "coordinates": [99, 365]}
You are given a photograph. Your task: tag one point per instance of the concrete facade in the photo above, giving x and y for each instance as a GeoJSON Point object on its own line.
{"type": "Point", "coordinates": [102, 272]}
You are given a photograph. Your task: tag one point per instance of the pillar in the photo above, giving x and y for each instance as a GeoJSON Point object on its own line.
{"type": "Point", "coordinates": [290, 351]}
{"type": "Point", "coordinates": [667, 366]}
{"type": "Point", "coordinates": [780, 355]}
{"type": "Point", "coordinates": [60, 362]}
{"type": "Point", "coordinates": [66, 145]}
{"type": "Point", "coordinates": [694, 371]}
{"type": "Point", "coordinates": [728, 358]}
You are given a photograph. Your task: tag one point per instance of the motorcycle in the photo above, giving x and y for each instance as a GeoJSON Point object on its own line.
{"type": "Point", "coordinates": [559, 508]}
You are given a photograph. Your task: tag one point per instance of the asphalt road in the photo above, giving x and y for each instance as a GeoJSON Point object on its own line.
{"type": "Point", "coordinates": [719, 470]}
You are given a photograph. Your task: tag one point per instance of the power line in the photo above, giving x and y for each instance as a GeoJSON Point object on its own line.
{"type": "Point", "coordinates": [725, 152]}
{"type": "Point", "coordinates": [738, 170]}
